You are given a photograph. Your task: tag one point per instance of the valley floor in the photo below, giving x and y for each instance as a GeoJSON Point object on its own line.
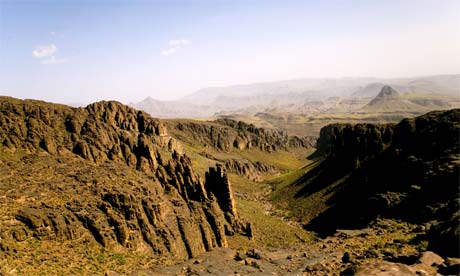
{"type": "Point", "coordinates": [282, 247]}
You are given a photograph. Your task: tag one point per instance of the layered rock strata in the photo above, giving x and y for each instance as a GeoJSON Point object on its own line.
{"type": "Point", "coordinates": [110, 174]}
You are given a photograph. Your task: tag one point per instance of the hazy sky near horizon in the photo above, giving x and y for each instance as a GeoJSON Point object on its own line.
{"type": "Point", "coordinates": [82, 51]}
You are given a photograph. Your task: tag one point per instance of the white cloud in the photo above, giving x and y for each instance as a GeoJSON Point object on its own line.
{"type": "Point", "coordinates": [168, 52]}
{"type": "Point", "coordinates": [179, 42]}
{"type": "Point", "coordinates": [174, 46]}
{"type": "Point", "coordinates": [47, 54]}
{"type": "Point", "coordinates": [53, 60]}
{"type": "Point", "coordinates": [42, 51]}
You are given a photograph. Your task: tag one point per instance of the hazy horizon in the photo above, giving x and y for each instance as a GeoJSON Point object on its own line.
{"type": "Point", "coordinates": [87, 51]}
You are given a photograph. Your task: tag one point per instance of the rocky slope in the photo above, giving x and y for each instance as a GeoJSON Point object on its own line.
{"type": "Point", "coordinates": [408, 171]}
{"type": "Point", "coordinates": [241, 148]}
{"type": "Point", "coordinates": [105, 174]}
{"type": "Point", "coordinates": [227, 135]}
{"type": "Point", "coordinates": [251, 170]}
{"type": "Point", "coordinates": [353, 144]}
{"type": "Point", "coordinates": [348, 252]}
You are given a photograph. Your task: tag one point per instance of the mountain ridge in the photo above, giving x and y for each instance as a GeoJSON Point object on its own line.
{"type": "Point", "coordinates": [390, 100]}
{"type": "Point", "coordinates": [290, 95]}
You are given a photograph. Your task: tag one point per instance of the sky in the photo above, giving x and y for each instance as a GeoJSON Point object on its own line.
{"type": "Point", "coordinates": [82, 51]}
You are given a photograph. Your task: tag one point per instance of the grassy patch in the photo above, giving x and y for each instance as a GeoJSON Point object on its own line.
{"type": "Point", "coordinates": [270, 231]}
{"type": "Point", "coordinates": [69, 258]}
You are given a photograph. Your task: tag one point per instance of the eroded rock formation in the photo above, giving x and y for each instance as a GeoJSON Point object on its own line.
{"type": "Point", "coordinates": [251, 170]}
{"type": "Point", "coordinates": [111, 174]}
{"type": "Point", "coordinates": [407, 171]}
{"type": "Point", "coordinates": [354, 143]}
{"type": "Point", "coordinates": [226, 200]}
{"type": "Point", "coordinates": [227, 135]}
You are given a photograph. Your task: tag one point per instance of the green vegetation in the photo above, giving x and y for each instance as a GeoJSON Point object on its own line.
{"type": "Point", "coordinates": [68, 258]}
{"type": "Point", "coordinates": [271, 230]}
{"type": "Point", "coordinates": [287, 186]}
{"type": "Point", "coordinates": [109, 199]}
{"type": "Point", "coordinates": [271, 227]}
{"type": "Point", "coordinates": [283, 160]}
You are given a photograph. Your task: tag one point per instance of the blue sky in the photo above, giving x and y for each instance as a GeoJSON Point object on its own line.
{"type": "Point", "coordinates": [82, 51]}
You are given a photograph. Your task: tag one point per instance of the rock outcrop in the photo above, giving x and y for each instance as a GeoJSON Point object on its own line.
{"type": "Point", "coordinates": [227, 135]}
{"type": "Point", "coordinates": [102, 131]}
{"type": "Point", "coordinates": [407, 171]}
{"type": "Point", "coordinates": [354, 144]}
{"type": "Point", "coordinates": [110, 174]}
{"type": "Point", "coordinates": [226, 201]}
{"type": "Point", "coordinates": [223, 193]}
{"type": "Point", "coordinates": [254, 171]}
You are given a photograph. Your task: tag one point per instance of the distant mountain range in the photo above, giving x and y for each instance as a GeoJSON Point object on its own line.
{"type": "Point", "coordinates": [305, 96]}
{"type": "Point", "coordinates": [390, 100]}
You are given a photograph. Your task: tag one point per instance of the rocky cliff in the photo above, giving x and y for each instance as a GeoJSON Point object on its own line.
{"type": "Point", "coordinates": [109, 174]}
{"type": "Point", "coordinates": [227, 135]}
{"type": "Point", "coordinates": [255, 171]}
{"type": "Point", "coordinates": [353, 144]}
{"type": "Point", "coordinates": [407, 171]}
{"type": "Point", "coordinates": [252, 170]}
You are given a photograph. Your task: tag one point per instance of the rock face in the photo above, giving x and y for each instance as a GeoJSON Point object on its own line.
{"type": "Point", "coordinates": [227, 135]}
{"type": "Point", "coordinates": [100, 132]}
{"type": "Point", "coordinates": [252, 170]}
{"type": "Point", "coordinates": [119, 180]}
{"type": "Point", "coordinates": [226, 201]}
{"type": "Point", "coordinates": [255, 171]}
{"type": "Point", "coordinates": [223, 193]}
{"type": "Point", "coordinates": [354, 144]}
{"type": "Point", "coordinates": [395, 171]}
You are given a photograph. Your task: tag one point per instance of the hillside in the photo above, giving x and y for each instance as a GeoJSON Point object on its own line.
{"type": "Point", "coordinates": [390, 100]}
{"type": "Point", "coordinates": [407, 171]}
{"type": "Point", "coordinates": [107, 187]}
{"type": "Point", "coordinates": [109, 190]}
{"type": "Point", "coordinates": [108, 182]}
{"type": "Point", "coordinates": [243, 149]}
